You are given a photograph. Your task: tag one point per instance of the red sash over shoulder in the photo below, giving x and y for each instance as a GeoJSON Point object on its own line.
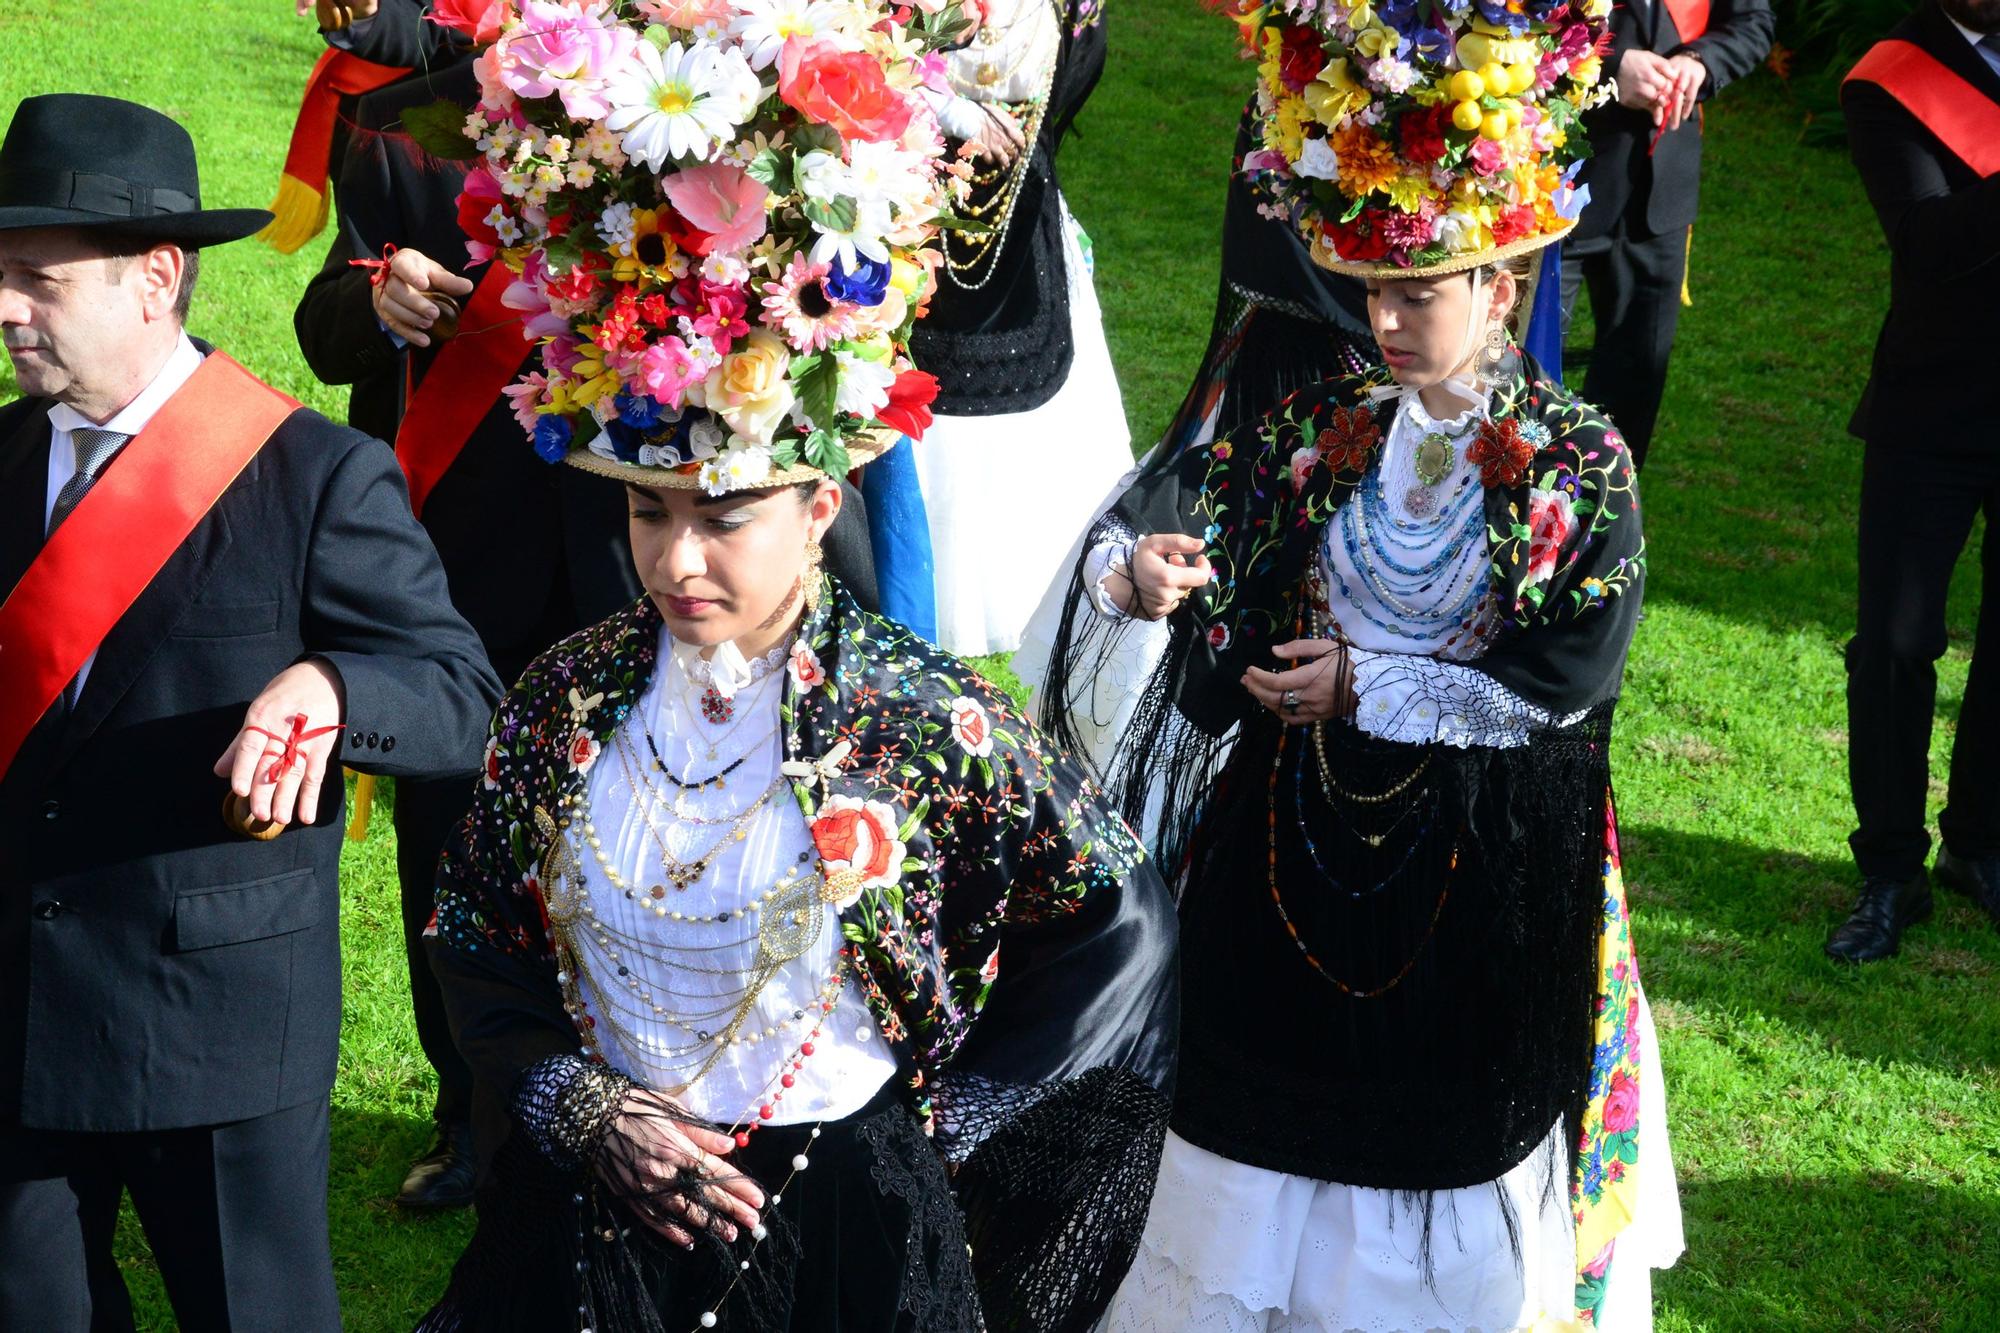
{"type": "Point", "coordinates": [1690, 17]}
{"type": "Point", "coordinates": [1964, 119]}
{"type": "Point", "coordinates": [299, 211]}
{"type": "Point", "coordinates": [462, 385]}
{"type": "Point", "coordinates": [110, 547]}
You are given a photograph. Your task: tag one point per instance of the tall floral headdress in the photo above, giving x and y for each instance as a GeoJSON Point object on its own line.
{"type": "Point", "coordinates": [719, 212]}
{"type": "Point", "coordinates": [1414, 137]}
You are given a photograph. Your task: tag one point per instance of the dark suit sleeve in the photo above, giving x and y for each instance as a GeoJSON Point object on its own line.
{"type": "Point", "coordinates": [1737, 41]}
{"type": "Point", "coordinates": [377, 609]}
{"type": "Point", "coordinates": [1937, 235]}
{"type": "Point", "coordinates": [335, 321]}
{"type": "Point", "coordinates": [399, 35]}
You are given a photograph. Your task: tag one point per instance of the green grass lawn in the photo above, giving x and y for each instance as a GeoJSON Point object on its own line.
{"type": "Point", "coordinates": [1837, 1131]}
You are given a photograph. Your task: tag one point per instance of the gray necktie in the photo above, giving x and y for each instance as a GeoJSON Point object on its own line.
{"type": "Point", "coordinates": [94, 448]}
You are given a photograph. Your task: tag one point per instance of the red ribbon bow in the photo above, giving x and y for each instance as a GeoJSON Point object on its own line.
{"type": "Point", "coordinates": [292, 755]}
{"type": "Point", "coordinates": [378, 269]}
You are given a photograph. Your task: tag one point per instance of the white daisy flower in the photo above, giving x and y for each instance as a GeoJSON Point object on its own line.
{"type": "Point", "coordinates": [664, 103]}
{"type": "Point", "coordinates": [764, 26]}
{"type": "Point", "coordinates": [864, 385]}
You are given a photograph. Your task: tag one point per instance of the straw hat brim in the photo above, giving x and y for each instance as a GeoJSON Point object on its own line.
{"type": "Point", "coordinates": [1493, 254]}
{"type": "Point", "coordinates": [862, 449]}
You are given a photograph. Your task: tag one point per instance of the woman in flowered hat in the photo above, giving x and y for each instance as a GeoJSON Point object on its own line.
{"type": "Point", "coordinates": [1418, 1087]}
{"type": "Point", "coordinates": [804, 986]}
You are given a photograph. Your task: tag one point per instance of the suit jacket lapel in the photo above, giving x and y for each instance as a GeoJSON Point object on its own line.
{"type": "Point", "coordinates": [137, 636]}
{"type": "Point", "coordinates": [24, 488]}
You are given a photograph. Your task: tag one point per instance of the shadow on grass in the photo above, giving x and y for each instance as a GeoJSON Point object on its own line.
{"type": "Point", "coordinates": [1731, 927]}
{"type": "Point", "coordinates": [1778, 1253]}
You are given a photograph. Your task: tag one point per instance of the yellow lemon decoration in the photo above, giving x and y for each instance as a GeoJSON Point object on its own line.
{"type": "Point", "coordinates": [1494, 126]}
{"type": "Point", "coordinates": [1521, 77]}
{"type": "Point", "coordinates": [1466, 86]}
{"type": "Point", "coordinates": [1494, 76]}
{"type": "Point", "coordinates": [1467, 116]}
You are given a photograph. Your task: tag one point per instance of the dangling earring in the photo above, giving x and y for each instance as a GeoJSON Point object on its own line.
{"type": "Point", "coordinates": [1496, 351]}
{"type": "Point", "coordinates": [809, 581]}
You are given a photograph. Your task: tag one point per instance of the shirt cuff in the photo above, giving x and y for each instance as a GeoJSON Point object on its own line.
{"type": "Point", "coordinates": [1422, 701]}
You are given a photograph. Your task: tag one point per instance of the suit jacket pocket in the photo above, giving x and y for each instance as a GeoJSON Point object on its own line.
{"type": "Point", "coordinates": [253, 910]}
{"type": "Point", "coordinates": [227, 620]}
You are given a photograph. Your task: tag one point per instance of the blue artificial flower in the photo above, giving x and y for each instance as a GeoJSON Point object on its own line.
{"type": "Point", "coordinates": [1501, 14]}
{"type": "Point", "coordinates": [625, 438]}
{"type": "Point", "coordinates": [864, 285]}
{"type": "Point", "coordinates": [641, 411]}
{"type": "Point", "coordinates": [552, 436]}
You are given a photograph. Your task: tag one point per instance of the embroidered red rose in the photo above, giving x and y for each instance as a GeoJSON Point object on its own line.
{"type": "Point", "coordinates": [1551, 523]}
{"type": "Point", "coordinates": [857, 846]}
{"type": "Point", "coordinates": [491, 764]}
{"type": "Point", "coordinates": [1621, 1103]}
{"type": "Point", "coordinates": [805, 668]}
{"type": "Point", "coordinates": [971, 728]}
{"type": "Point", "coordinates": [583, 751]}
{"type": "Point", "coordinates": [1218, 637]}
{"type": "Point", "coordinates": [1501, 453]}
{"type": "Point", "coordinates": [989, 971]}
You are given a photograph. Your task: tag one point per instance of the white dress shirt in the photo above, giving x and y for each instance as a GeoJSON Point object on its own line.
{"type": "Point", "coordinates": [1980, 44]}
{"type": "Point", "coordinates": [180, 367]}
{"type": "Point", "coordinates": [696, 970]}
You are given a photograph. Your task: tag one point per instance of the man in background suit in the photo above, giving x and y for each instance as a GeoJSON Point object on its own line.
{"type": "Point", "coordinates": [532, 553]}
{"type": "Point", "coordinates": [1644, 173]}
{"type": "Point", "coordinates": [1923, 124]}
{"type": "Point", "coordinates": [214, 597]}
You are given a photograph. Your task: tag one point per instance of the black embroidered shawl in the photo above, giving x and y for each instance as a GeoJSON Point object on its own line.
{"type": "Point", "coordinates": [1017, 949]}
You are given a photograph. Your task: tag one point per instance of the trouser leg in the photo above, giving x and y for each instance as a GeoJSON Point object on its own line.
{"type": "Point", "coordinates": [1970, 823]}
{"type": "Point", "coordinates": [1635, 294]}
{"type": "Point", "coordinates": [1913, 524]}
{"type": "Point", "coordinates": [428, 812]}
{"type": "Point", "coordinates": [236, 1217]}
{"type": "Point", "coordinates": [59, 1198]}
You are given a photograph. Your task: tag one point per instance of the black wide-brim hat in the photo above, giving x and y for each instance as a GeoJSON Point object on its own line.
{"type": "Point", "coordinates": [74, 160]}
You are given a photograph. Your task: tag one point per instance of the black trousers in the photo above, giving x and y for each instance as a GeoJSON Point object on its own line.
{"type": "Point", "coordinates": [235, 1214]}
{"type": "Point", "coordinates": [427, 812]}
{"type": "Point", "coordinates": [1635, 295]}
{"type": "Point", "coordinates": [1916, 514]}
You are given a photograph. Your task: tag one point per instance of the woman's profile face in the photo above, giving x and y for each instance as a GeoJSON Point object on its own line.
{"type": "Point", "coordinates": [1425, 326]}
{"type": "Point", "coordinates": [722, 568]}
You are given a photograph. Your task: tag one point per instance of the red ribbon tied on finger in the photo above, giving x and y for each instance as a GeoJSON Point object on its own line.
{"type": "Point", "coordinates": [378, 272]}
{"type": "Point", "coordinates": [293, 754]}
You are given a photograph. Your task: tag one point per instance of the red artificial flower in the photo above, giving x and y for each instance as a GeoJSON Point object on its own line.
{"type": "Point", "coordinates": [1513, 223]}
{"type": "Point", "coordinates": [844, 89]}
{"type": "Point", "coordinates": [1361, 240]}
{"type": "Point", "coordinates": [1500, 453]}
{"type": "Point", "coordinates": [1422, 133]}
{"type": "Point", "coordinates": [478, 19]}
{"type": "Point", "coordinates": [619, 329]}
{"type": "Point", "coordinates": [909, 406]}
{"type": "Point", "coordinates": [655, 310]}
{"type": "Point", "coordinates": [576, 284]}
{"type": "Point", "coordinates": [1301, 58]}
{"type": "Point", "coordinates": [476, 200]}
{"type": "Point", "coordinates": [1349, 437]}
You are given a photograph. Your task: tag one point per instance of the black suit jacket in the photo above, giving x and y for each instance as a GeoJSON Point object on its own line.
{"type": "Point", "coordinates": [1659, 189]}
{"type": "Point", "coordinates": [1932, 386]}
{"type": "Point", "coordinates": [532, 552]}
{"type": "Point", "coordinates": [399, 34]}
{"type": "Point", "coordinates": [157, 970]}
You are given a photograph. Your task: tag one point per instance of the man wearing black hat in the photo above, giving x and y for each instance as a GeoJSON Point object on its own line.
{"type": "Point", "coordinates": [212, 598]}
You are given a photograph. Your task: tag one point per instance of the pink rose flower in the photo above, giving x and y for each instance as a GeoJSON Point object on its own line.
{"type": "Point", "coordinates": [1551, 523]}
{"type": "Point", "coordinates": [686, 13]}
{"type": "Point", "coordinates": [1621, 1104]}
{"type": "Point", "coordinates": [583, 751]}
{"type": "Point", "coordinates": [566, 51]}
{"type": "Point", "coordinates": [1488, 156]}
{"type": "Point", "coordinates": [723, 200]}
{"type": "Point", "coordinates": [666, 369]}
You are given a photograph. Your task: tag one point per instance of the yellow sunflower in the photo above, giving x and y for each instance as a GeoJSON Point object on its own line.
{"type": "Point", "coordinates": [648, 253]}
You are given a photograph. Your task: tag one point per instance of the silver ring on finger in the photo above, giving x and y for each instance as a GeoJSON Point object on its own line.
{"type": "Point", "coordinates": [1289, 701]}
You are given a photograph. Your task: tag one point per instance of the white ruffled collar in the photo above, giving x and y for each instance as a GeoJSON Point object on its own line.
{"type": "Point", "coordinates": [727, 671]}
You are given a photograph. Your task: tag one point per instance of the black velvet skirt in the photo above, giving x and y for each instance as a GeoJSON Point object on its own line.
{"type": "Point", "coordinates": [867, 1239]}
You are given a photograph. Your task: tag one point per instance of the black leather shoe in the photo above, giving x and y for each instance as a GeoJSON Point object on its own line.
{"type": "Point", "coordinates": [1875, 927]}
{"type": "Point", "coordinates": [1976, 878]}
{"type": "Point", "coordinates": [442, 1177]}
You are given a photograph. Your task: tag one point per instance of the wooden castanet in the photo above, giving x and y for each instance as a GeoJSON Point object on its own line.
{"type": "Point", "coordinates": [236, 815]}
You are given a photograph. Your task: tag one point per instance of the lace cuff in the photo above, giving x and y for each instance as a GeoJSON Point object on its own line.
{"type": "Point", "coordinates": [1420, 700]}
{"type": "Point", "coordinates": [1111, 554]}
{"type": "Point", "coordinates": [959, 117]}
{"type": "Point", "coordinates": [566, 1105]}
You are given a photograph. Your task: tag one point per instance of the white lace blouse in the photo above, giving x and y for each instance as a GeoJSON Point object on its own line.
{"type": "Point", "coordinates": [663, 988]}
{"type": "Point", "coordinates": [1404, 577]}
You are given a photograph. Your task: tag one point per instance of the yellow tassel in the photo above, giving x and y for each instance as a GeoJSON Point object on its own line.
{"type": "Point", "coordinates": [299, 214]}
{"type": "Point", "coordinates": [1687, 266]}
{"type": "Point", "coordinates": [364, 805]}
